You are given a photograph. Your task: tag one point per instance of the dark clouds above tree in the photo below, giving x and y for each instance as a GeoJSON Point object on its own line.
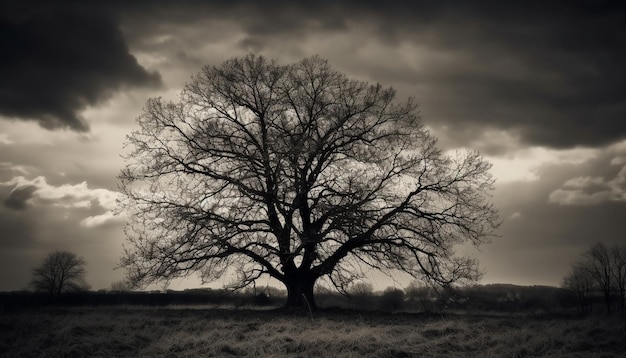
{"type": "Point", "coordinates": [550, 72]}
{"type": "Point", "coordinates": [57, 61]}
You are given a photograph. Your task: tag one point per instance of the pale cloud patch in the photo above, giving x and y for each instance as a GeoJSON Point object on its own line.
{"type": "Point", "coordinates": [524, 164]}
{"type": "Point", "coordinates": [29, 133]}
{"type": "Point", "coordinates": [495, 141]}
{"type": "Point", "coordinates": [102, 219]}
{"type": "Point", "coordinates": [15, 168]}
{"type": "Point", "coordinates": [619, 147]}
{"type": "Point", "coordinates": [591, 190]}
{"type": "Point", "coordinates": [594, 190]}
{"type": "Point", "coordinates": [618, 153]}
{"type": "Point", "coordinates": [516, 215]}
{"type": "Point", "coordinates": [621, 160]}
{"type": "Point", "coordinates": [37, 192]}
{"type": "Point", "coordinates": [513, 161]}
{"type": "Point", "coordinates": [4, 139]}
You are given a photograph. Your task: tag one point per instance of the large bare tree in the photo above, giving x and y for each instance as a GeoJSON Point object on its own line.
{"type": "Point", "coordinates": [300, 173]}
{"type": "Point", "coordinates": [60, 272]}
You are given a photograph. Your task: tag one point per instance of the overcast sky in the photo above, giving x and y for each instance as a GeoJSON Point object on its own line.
{"type": "Point", "coordinates": [539, 87]}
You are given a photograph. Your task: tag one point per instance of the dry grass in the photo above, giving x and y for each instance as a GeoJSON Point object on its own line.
{"type": "Point", "coordinates": [182, 332]}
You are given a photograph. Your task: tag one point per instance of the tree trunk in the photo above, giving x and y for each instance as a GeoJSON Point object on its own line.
{"type": "Point", "coordinates": [300, 291]}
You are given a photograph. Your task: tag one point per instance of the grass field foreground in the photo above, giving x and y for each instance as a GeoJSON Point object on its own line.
{"type": "Point", "coordinates": [185, 332]}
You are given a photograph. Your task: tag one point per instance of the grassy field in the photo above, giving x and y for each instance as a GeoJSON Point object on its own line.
{"type": "Point", "coordinates": [189, 332]}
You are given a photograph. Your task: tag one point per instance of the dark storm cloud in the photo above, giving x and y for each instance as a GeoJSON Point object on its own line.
{"type": "Point", "coordinates": [554, 74]}
{"type": "Point", "coordinates": [18, 197]}
{"type": "Point", "coordinates": [550, 71]}
{"type": "Point", "coordinates": [57, 60]}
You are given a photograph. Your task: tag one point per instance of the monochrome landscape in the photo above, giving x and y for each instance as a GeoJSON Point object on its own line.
{"type": "Point", "coordinates": [323, 179]}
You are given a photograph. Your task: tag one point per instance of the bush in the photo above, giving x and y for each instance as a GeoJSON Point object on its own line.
{"type": "Point", "coordinates": [392, 299]}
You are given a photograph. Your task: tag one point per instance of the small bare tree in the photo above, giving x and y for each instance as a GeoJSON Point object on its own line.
{"type": "Point", "coordinates": [582, 284]}
{"type": "Point", "coordinates": [60, 272]}
{"type": "Point", "coordinates": [297, 172]}
{"type": "Point", "coordinates": [392, 299]}
{"type": "Point", "coordinates": [597, 262]}
{"type": "Point", "coordinates": [618, 262]}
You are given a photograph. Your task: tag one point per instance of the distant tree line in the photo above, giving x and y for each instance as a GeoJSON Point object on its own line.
{"type": "Point", "coordinates": [417, 297]}
{"type": "Point", "coordinates": [361, 296]}
{"type": "Point", "coordinates": [601, 272]}
{"type": "Point", "coordinates": [207, 297]}
{"type": "Point", "coordinates": [597, 279]}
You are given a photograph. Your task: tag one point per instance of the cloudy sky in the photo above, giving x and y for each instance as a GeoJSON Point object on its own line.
{"type": "Point", "coordinates": [538, 87]}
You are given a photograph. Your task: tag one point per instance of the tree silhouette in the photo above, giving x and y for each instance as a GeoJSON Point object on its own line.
{"type": "Point", "coordinates": [60, 272]}
{"type": "Point", "coordinates": [296, 172]}
{"type": "Point", "coordinates": [618, 263]}
{"type": "Point", "coordinates": [603, 269]}
{"type": "Point", "coordinates": [597, 262]}
{"type": "Point", "coordinates": [582, 284]}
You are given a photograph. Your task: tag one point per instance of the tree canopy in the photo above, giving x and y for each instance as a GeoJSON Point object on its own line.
{"type": "Point", "coordinates": [300, 173]}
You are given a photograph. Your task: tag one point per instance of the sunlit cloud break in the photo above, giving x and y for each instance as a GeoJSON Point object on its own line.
{"type": "Point", "coordinates": [37, 192]}
{"type": "Point", "coordinates": [591, 190]}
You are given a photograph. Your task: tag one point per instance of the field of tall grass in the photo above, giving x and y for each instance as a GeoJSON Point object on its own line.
{"type": "Point", "coordinates": [204, 332]}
